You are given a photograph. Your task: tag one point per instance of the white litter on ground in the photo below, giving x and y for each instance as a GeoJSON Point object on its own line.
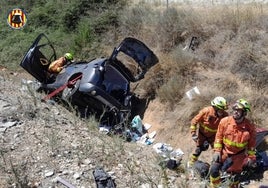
{"type": "Point", "coordinates": [152, 134]}
{"type": "Point", "coordinates": [147, 126]}
{"type": "Point", "coordinates": [163, 149]}
{"type": "Point", "coordinates": [166, 150]}
{"type": "Point", "coordinates": [192, 93]}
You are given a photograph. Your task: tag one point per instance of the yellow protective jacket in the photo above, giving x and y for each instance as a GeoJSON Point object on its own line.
{"type": "Point", "coordinates": [57, 65]}
{"type": "Point", "coordinates": [207, 120]}
{"type": "Point", "coordinates": [233, 138]}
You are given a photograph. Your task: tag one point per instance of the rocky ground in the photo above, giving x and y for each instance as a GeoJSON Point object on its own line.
{"type": "Point", "coordinates": [44, 145]}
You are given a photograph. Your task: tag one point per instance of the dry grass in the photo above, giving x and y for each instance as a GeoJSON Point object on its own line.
{"type": "Point", "coordinates": [230, 61]}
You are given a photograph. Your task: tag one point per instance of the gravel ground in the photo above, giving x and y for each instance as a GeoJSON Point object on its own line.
{"type": "Point", "coordinates": [44, 145]}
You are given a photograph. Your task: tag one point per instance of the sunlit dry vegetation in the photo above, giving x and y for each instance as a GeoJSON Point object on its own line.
{"type": "Point", "coordinates": [229, 59]}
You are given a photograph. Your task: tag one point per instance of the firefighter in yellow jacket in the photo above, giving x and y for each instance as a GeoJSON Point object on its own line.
{"type": "Point", "coordinates": [57, 65]}
{"type": "Point", "coordinates": [234, 145]}
{"type": "Point", "coordinates": [205, 124]}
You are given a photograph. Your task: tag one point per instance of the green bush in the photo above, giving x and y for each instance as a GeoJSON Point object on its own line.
{"type": "Point", "coordinates": [105, 22]}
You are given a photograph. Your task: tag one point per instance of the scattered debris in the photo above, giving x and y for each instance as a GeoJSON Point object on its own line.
{"type": "Point", "coordinates": [64, 182]}
{"type": "Point", "coordinates": [163, 149]}
{"type": "Point", "coordinates": [192, 93]}
{"type": "Point", "coordinates": [4, 126]}
{"type": "Point", "coordinates": [147, 139]}
{"type": "Point", "coordinates": [172, 158]}
{"type": "Point", "coordinates": [147, 126]}
{"type": "Point", "coordinates": [104, 129]}
{"type": "Point", "coordinates": [103, 179]}
{"type": "Point", "coordinates": [194, 43]}
{"type": "Point", "coordinates": [137, 124]}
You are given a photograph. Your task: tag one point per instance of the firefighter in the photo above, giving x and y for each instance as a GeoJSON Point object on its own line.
{"type": "Point", "coordinates": [205, 124]}
{"type": "Point", "coordinates": [57, 65]}
{"type": "Point", "coordinates": [234, 146]}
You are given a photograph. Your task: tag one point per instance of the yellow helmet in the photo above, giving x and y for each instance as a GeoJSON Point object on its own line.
{"type": "Point", "coordinates": [220, 103]}
{"type": "Point", "coordinates": [242, 104]}
{"type": "Point", "coordinates": [68, 56]}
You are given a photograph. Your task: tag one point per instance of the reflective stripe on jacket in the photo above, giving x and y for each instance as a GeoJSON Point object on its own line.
{"type": "Point", "coordinates": [235, 137]}
{"type": "Point", "coordinates": [207, 120]}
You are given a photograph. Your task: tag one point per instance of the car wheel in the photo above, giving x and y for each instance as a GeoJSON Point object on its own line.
{"type": "Point", "coordinates": [70, 90]}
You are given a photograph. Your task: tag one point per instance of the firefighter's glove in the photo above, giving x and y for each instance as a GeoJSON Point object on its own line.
{"type": "Point", "coordinates": [251, 163]}
{"type": "Point", "coordinates": [216, 157]}
{"type": "Point", "coordinates": [194, 137]}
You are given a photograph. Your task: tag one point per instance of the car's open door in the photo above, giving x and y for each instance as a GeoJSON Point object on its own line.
{"type": "Point", "coordinates": [38, 57]}
{"type": "Point", "coordinates": [139, 52]}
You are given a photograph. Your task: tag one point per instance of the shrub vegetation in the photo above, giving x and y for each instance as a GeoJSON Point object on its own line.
{"type": "Point", "coordinates": [229, 59]}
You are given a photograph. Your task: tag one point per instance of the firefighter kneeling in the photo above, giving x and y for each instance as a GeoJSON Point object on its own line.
{"type": "Point", "coordinates": [234, 145]}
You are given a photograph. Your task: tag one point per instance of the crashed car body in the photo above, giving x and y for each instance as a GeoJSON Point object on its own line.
{"type": "Point", "coordinates": [99, 86]}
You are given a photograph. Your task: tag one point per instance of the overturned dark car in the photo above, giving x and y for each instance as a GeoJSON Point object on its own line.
{"type": "Point", "coordinates": [100, 86]}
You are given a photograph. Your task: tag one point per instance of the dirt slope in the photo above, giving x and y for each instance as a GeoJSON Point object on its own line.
{"type": "Point", "coordinates": [41, 142]}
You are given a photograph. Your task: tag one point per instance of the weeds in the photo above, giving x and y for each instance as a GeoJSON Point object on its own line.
{"type": "Point", "coordinates": [16, 176]}
{"type": "Point", "coordinates": [20, 179]}
{"type": "Point", "coordinates": [231, 60]}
